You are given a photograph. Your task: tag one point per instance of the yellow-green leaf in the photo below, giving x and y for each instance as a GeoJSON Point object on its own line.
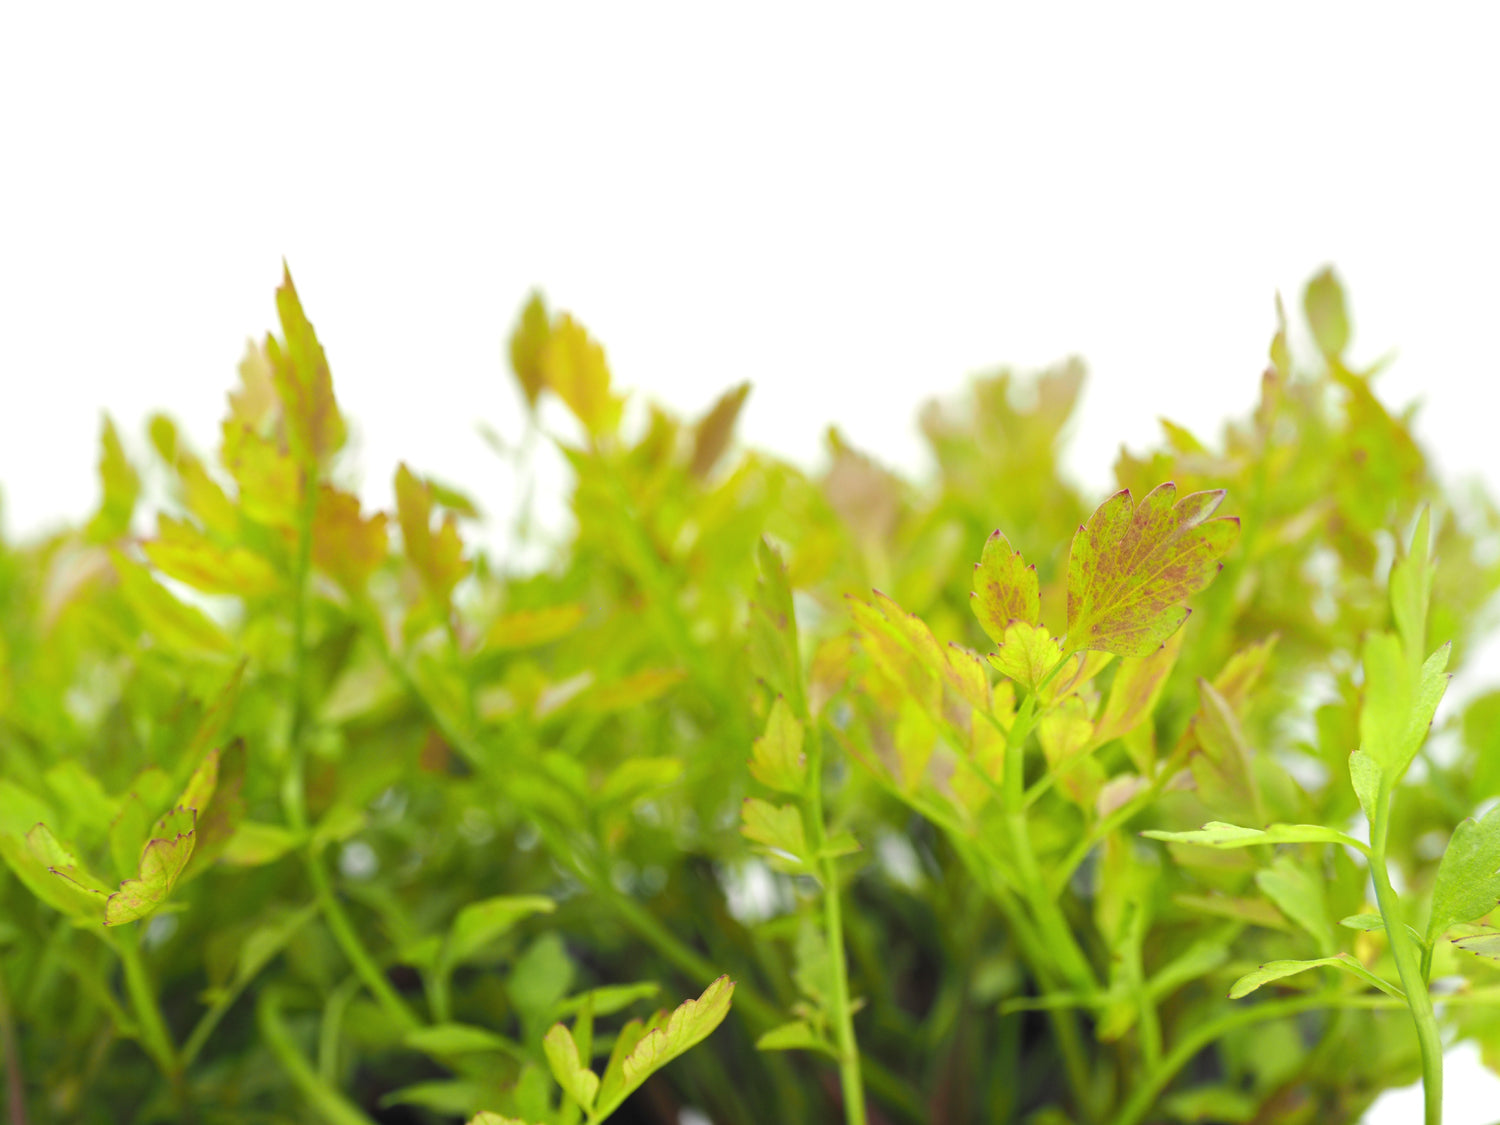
{"type": "Point", "coordinates": [1026, 654]}
{"type": "Point", "coordinates": [1005, 589]}
{"type": "Point", "coordinates": [163, 860]}
{"type": "Point", "coordinates": [777, 761]}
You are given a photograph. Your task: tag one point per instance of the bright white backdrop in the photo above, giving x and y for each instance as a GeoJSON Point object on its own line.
{"type": "Point", "coordinates": [854, 209]}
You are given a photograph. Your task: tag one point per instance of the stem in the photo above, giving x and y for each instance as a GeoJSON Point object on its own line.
{"type": "Point", "coordinates": [359, 958]}
{"type": "Point", "coordinates": [154, 1035]}
{"type": "Point", "coordinates": [332, 1106]}
{"type": "Point", "coordinates": [15, 1080]}
{"type": "Point", "coordinates": [1409, 965]}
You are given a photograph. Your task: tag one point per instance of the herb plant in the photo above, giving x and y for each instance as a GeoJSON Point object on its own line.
{"type": "Point", "coordinates": [1064, 821]}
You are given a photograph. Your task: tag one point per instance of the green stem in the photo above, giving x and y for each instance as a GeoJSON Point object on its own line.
{"type": "Point", "coordinates": [330, 1105]}
{"type": "Point", "coordinates": [15, 1079]}
{"type": "Point", "coordinates": [359, 957]}
{"type": "Point", "coordinates": [1408, 959]}
{"type": "Point", "coordinates": [154, 1034]}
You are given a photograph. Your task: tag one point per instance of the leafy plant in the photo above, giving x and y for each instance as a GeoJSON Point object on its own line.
{"type": "Point", "coordinates": [304, 820]}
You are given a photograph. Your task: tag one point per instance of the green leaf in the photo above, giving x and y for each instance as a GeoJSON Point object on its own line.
{"type": "Point", "coordinates": [776, 760]}
{"type": "Point", "coordinates": [51, 871]}
{"type": "Point", "coordinates": [183, 552]}
{"type": "Point", "coordinates": [1279, 970]}
{"type": "Point", "coordinates": [529, 628]}
{"type": "Point", "coordinates": [689, 1025]}
{"type": "Point", "coordinates": [774, 652]}
{"type": "Point", "coordinates": [1137, 687]}
{"type": "Point", "coordinates": [609, 999]}
{"type": "Point", "coordinates": [1411, 590]}
{"type": "Point", "coordinates": [481, 923]}
{"type": "Point", "coordinates": [255, 844]}
{"type": "Point", "coordinates": [1005, 589]}
{"type": "Point", "coordinates": [1467, 885]}
{"type": "Point", "coordinates": [182, 628]}
{"type": "Point", "coordinates": [436, 556]}
{"type": "Point", "coordinates": [163, 860]}
{"type": "Point", "coordinates": [1218, 834]}
{"type": "Point", "coordinates": [488, 1118]}
{"type": "Point", "coordinates": [1301, 896]}
{"type": "Point", "coordinates": [1367, 778]}
{"type": "Point", "coordinates": [575, 369]}
{"type": "Point", "coordinates": [795, 1036]}
{"type": "Point", "coordinates": [121, 488]}
{"type": "Point", "coordinates": [1132, 568]}
{"type": "Point", "coordinates": [1323, 302]}
{"type": "Point", "coordinates": [1481, 945]}
{"type": "Point", "coordinates": [452, 1098]}
{"type": "Point", "coordinates": [1398, 706]}
{"type": "Point", "coordinates": [577, 1081]}
{"type": "Point", "coordinates": [445, 1040]}
{"type": "Point", "coordinates": [1026, 654]}
{"type": "Point", "coordinates": [777, 827]}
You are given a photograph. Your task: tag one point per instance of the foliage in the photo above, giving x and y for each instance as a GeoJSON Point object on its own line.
{"type": "Point", "coordinates": [304, 821]}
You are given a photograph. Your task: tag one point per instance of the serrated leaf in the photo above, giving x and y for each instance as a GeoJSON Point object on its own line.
{"type": "Point", "coordinates": [480, 923]}
{"type": "Point", "coordinates": [778, 827]}
{"type": "Point", "coordinates": [182, 628]}
{"type": "Point", "coordinates": [774, 653]}
{"type": "Point", "coordinates": [345, 545]}
{"type": "Point", "coordinates": [1137, 686]}
{"type": "Point", "coordinates": [1132, 567]}
{"type": "Point", "coordinates": [1005, 589]}
{"type": "Point", "coordinates": [776, 759]}
{"type": "Point", "coordinates": [574, 367]}
{"type": "Point", "coordinates": [577, 1081]}
{"type": "Point", "coordinates": [51, 871]}
{"type": "Point", "coordinates": [436, 556]}
{"type": "Point", "coordinates": [689, 1025]}
{"type": "Point", "coordinates": [1026, 654]}
{"type": "Point", "coordinates": [183, 552]}
{"type": "Point", "coordinates": [1481, 945]}
{"type": "Point", "coordinates": [163, 860]}
{"type": "Point", "coordinates": [120, 486]}
{"type": "Point", "coordinates": [1467, 885]}
{"type": "Point", "coordinates": [300, 374]}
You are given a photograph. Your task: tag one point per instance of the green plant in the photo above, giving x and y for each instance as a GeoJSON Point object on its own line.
{"type": "Point", "coordinates": [301, 823]}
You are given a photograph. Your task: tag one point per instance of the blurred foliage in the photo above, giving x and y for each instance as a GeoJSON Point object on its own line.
{"type": "Point", "coordinates": [407, 833]}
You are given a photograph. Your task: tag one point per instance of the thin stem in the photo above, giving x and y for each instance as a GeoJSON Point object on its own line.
{"type": "Point", "coordinates": [1409, 965]}
{"type": "Point", "coordinates": [359, 957]}
{"type": "Point", "coordinates": [15, 1079]}
{"type": "Point", "coordinates": [330, 1105]}
{"type": "Point", "coordinates": [154, 1034]}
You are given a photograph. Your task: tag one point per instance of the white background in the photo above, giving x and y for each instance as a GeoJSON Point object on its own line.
{"type": "Point", "coordinates": [854, 209]}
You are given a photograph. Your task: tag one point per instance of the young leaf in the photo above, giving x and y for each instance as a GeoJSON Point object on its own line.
{"type": "Point", "coordinates": [1411, 590]}
{"type": "Point", "coordinates": [796, 1036]}
{"type": "Point", "coordinates": [1468, 878]}
{"type": "Point", "coordinates": [121, 487]}
{"type": "Point", "coordinates": [1367, 777]}
{"type": "Point", "coordinates": [1005, 589]}
{"type": "Point", "coordinates": [777, 827]}
{"type": "Point", "coordinates": [774, 652]}
{"type": "Point", "coordinates": [1217, 834]}
{"type": "Point", "coordinates": [777, 761]}
{"type": "Point", "coordinates": [437, 556]}
{"type": "Point", "coordinates": [1398, 706]}
{"type": "Point", "coordinates": [528, 340]}
{"type": "Point", "coordinates": [163, 860]}
{"type": "Point", "coordinates": [1279, 970]}
{"type": "Point", "coordinates": [578, 1082]}
{"type": "Point", "coordinates": [574, 366]}
{"type": "Point", "coordinates": [480, 923]}
{"type": "Point", "coordinates": [1323, 302]}
{"type": "Point", "coordinates": [1132, 568]}
{"type": "Point", "coordinates": [1026, 654]}
{"type": "Point", "coordinates": [689, 1025]}
{"type": "Point", "coordinates": [345, 545]}
{"type": "Point", "coordinates": [299, 371]}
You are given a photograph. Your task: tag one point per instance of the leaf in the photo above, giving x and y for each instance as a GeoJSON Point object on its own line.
{"type": "Point", "coordinates": [1026, 654]}
{"type": "Point", "coordinates": [1398, 706]}
{"type": "Point", "coordinates": [1136, 689]}
{"type": "Point", "coordinates": [795, 1036]}
{"type": "Point", "coordinates": [712, 433]}
{"type": "Point", "coordinates": [1467, 885]}
{"type": "Point", "coordinates": [1411, 590]}
{"type": "Point", "coordinates": [1221, 767]}
{"type": "Point", "coordinates": [1218, 834]}
{"type": "Point", "coordinates": [1065, 731]}
{"type": "Point", "coordinates": [1279, 970]}
{"type": "Point", "coordinates": [163, 860]}
{"type": "Point", "coordinates": [776, 760]}
{"type": "Point", "coordinates": [528, 340]}
{"type": "Point", "coordinates": [183, 552]}
{"type": "Point", "coordinates": [577, 1081]}
{"type": "Point", "coordinates": [1323, 302]}
{"type": "Point", "coordinates": [488, 1118]}
{"type": "Point", "coordinates": [449, 1039]}
{"type": "Point", "coordinates": [1131, 568]}
{"type": "Point", "coordinates": [635, 689]}
{"type": "Point", "coordinates": [777, 827]}
{"type": "Point", "coordinates": [529, 628]}
{"type": "Point", "coordinates": [1367, 778]}
{"type": "Point", "coordinates": [670, 1036]}
{"type": "Point", "coordinates": [184, 629]}
{"type": "Point", "coordinates": [345, 545]}
{"type": "Point", "coordinates": [575, 369]}
{"type": "Point", "coordinates": [299, 372]}
{"type": "Point", "coordinates": [215, 795]}
{"type": "Point", "coordinates": [611, 998]}
{"type": "Point", "coordinates": [481, 923]}
{"type": "Point", "coordinates": [1301, 896]}
{"type": "Point", "coordinates": [1481, 945]}
{"type": "Point", "coordinates": [774, 653]}
{"type": "Point", "coordinates": [437, 557]}
{"type": "Point", "coordinates": [1005, 589]}
{"type": "Point", "coordinates": [451, 1098]}
{"type": "Point", "coordinates": [52, 873]}
{"type": "Point", "coordinates": [120, 485]}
